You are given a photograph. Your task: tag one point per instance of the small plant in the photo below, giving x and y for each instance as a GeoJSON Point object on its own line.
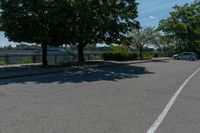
{"type": "Point", "coordinates": [147, 56]}
{"type": "Point", "coordinates": [2, 62]}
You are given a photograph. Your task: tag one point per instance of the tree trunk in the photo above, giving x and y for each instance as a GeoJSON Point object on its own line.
{"type": "Point", "coordinates": [141, 54]}
{"type": "Point", "coordinates": [44, 54]}
{"type": "Point", "coordinates": [81, 57]}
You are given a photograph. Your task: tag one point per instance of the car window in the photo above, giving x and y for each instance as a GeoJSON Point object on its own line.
{"type": "Point", "coordinates": [187, 54]}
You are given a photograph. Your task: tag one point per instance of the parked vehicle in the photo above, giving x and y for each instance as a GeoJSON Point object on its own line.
{"type": "Point", "coordinates": [185, 56]}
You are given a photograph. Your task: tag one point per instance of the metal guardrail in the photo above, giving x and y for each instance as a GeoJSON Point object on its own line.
{"type": "Point", "coordinates": [18, 58]}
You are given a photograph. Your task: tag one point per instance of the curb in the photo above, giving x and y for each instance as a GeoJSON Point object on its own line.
{"type": "Point", "coordinates": [27, 73]}
{"type": "Point", "coordinates": [45, 71]}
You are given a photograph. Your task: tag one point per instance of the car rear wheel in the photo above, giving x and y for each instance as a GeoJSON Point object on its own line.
{"type": "Point", "coordinates": [176, 58]}
{"type": "Point", "coordinates": [191, 59]}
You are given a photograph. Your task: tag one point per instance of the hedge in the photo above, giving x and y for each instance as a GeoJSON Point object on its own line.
{"type": "Point", "coordinates": [120, 56]}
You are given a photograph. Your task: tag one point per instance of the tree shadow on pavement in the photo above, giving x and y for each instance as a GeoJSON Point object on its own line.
{"type": "Point", "coordinates": [102, 73]}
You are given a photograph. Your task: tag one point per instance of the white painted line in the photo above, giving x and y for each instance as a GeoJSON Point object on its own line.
{"type": "Point", "coordinates": [161, 117]}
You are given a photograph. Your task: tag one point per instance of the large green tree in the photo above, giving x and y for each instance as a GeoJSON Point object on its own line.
{"type": "Point", "coordinates": [21, 22]}
{"type": "Point", "coordinates": [34, 21]}
{"type": "Point", "coordinates": [74, 22]}
{"type": "Point", "coordinates": [183, 27]}
{"type": "Point", "coordinates": [101, 22]}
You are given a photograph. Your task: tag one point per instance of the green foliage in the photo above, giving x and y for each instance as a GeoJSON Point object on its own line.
{"type": "Point", "coordinates": [74, 22]}
{"type": "Point", "coordinates": [120, 56]}
{"type": "Point", "coordinates": [119, 48]}
{"type": "Point", "coordinates": [2, 62]}
{"type": "Point", "coordinates": [120, 53]}
{"type": "Point", "coordinates": [143, 37]}
{"type": "Point", "coordinates": [25, 60]}
{"type": "Point", "coordinates": [147, 56]}
{"type": "Point", "coordinates": [183, 27]}
{"type": "Point", "coordinates": [34, 21]}
{"type": "Point", "coordinates": [20, 20]}
{"type": "Point", "coordinates": [101, 22]}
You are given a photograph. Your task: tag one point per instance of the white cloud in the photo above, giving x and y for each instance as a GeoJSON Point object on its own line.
{"type": "Point", "coordinates": [151, 17]}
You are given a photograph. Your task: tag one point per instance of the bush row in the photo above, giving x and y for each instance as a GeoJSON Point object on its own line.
{"type": "Point", "coordinates": [120, 56]}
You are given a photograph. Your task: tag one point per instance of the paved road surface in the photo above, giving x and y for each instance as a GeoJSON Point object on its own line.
{"type": "Point", "coordinates": [120, 99]}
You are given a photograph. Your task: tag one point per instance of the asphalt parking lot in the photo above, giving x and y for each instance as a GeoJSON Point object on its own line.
{"type": "Point", "coordinates": [119, 99]}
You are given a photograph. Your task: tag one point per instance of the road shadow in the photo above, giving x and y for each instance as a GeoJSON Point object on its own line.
{"type": "Point", "coordinates": [91, 74]}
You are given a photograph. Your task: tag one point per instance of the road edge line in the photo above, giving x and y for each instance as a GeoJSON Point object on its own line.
{"type": "Point", "coordinates": [165, 111]}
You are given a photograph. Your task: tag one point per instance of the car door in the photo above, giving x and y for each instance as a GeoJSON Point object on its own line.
{"type": "Point", "coordinates": [186, 55]}
{"type": "Point", "coordinates": [181, 55]}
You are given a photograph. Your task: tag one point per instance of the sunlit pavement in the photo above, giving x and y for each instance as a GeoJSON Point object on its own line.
{"type": "Point", "coordinates": [119, 99]}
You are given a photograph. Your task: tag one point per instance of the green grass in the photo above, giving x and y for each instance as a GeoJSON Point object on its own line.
{"type": "Point", "coordinates": [57, 63]}
{"type": "Point", "coordinates": [25, 60]}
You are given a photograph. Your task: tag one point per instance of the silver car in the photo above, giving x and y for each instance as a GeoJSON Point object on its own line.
{"type": "Point", "coordinates": [185, 56]}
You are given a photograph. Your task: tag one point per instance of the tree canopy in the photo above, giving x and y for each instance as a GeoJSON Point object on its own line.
{"type": "Point", "coordinates": [34, 21]}
{"type": "Point", "coordinates": [74, 22]}
{"type": "Point", "coordinates": [183, 27]}
{"type": "Point", "coordinates": [101, 22]}
{"type": "Point", "coordinates": [143, 37]}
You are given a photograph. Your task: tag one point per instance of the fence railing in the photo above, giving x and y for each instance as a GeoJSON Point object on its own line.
{"type": "Point", "coordinates": [23, 58]}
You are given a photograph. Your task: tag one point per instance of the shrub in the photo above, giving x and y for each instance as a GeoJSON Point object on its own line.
{"type": "Point", "coordinates": [119, 53]}
{"type": "Point", "coordinates": [2, 62]}
{"type": "Point", "coordinates": [119, 48]}
{"type": "Point", "coordinates": [148, 56]}
{"type": "Point", "coordinates": [120, 56]}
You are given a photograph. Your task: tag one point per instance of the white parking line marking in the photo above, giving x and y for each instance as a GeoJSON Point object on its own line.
{"type": "Point", "coordinates": [161, 117]}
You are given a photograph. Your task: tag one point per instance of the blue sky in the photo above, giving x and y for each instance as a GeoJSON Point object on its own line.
{"type": "Point", "coordinates": [150, 13]}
